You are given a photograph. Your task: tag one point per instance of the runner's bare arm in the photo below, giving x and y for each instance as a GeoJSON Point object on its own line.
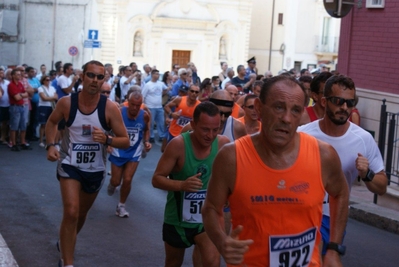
{"type": "Point", "coordinates": [380, 181]}
{"type": "Point", "coordinates": [60, 112]}
{"type": "Point", "coordinates": [239, 129]}
{"type": "Point", "coordinates": [114, 120]}
{"type": "Point", "coordinates": [221, 185]}
{"type": "Point", "coordinates": [146, 132]}
{"type": "Point", "coordinates": [174, 103]}
{"type": "Point", "coordinates": [337, 188]}
{"type": "Point", "coordinates": [172, 160]}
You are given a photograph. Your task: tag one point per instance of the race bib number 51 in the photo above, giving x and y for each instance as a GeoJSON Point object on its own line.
{"type": "Point", "coordinates": [192, 205]}
{"type": "Point", "coordinates": [292, 250]}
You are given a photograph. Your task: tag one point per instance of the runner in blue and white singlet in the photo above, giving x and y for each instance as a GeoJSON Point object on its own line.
{"type": "Point", "coordinates": [124, 162]}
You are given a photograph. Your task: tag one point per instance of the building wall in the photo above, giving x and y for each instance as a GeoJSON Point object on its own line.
{"type": "Point", "coordinates": [48, 28]}
{"type": "Point", "coordinates": [370, 48]}
{"type": "Point", "coordinates": [368, 53]}
{"type": "Point", "coordinates": [300, 34]}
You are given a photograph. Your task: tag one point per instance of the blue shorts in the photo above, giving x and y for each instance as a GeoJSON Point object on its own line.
{"type": "Point", "coordinates": [4, 114]}
{"type": "Point", "coordinates": [122, 161]}
{"type": "Point", "coordinates": [169, 137]}
{"type": "Point", "coordinates": [325, 233]}
{"type": "Point", "coordinates": [44, 113]}
{"type": "Point", "coordinates": [17, 118]}
{"type": "Point", "coordinates": [91, 181]}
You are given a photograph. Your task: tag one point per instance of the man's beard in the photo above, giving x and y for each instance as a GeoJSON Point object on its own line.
{"type": "Point", "coordinates": [334, 120]}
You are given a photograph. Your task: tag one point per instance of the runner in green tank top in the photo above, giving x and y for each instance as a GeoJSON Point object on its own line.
{"type": "Point", "coordinates": [184, 170]}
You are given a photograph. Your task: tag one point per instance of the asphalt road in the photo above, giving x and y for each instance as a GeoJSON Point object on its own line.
{"type": "Point", "coordinates": [30, 213]}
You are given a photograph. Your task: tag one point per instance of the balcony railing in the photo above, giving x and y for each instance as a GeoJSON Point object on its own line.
{"type": "Point", "coordinates": [326, 44]}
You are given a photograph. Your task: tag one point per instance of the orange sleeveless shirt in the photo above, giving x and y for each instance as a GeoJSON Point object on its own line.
{"type": "Point", "coordinates": [126, 104]}
{"type": "Point", "coordinates": [281, 210]}
{"type": "Point", "coordinates": [235, 111]}
{"type": "Point", "coordinates": [186, 116]}
{"type": "Point", "coordinates": [242, 120]}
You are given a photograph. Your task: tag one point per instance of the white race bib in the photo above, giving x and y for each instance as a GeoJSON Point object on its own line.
{"type": "Point", "coordinates": [292, 250]}
{"type": "Point", "coordinates": [133, 135]}
{"type": "Point", "coordinates": [326, 205]}
{"type": "Point", "coordinates": [85, 156]}
{"type": "Point", "coordinates": [192, 205]}
{"type": "Point", "coordinates": [182, 121]}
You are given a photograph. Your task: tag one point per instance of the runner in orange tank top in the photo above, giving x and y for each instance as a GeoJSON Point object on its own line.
{"type": "Point", "coordinates": [275, 195]}
{"type": "Point", "coordinates": [184, 109]}
{"type": "Point", "coordinates": [250, 119]}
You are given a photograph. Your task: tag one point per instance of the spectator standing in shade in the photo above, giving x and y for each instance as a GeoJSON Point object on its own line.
{"type": "Point", "coordinates": [17, 94]}
{"type": "Point", "coordinates": [47, 99]}
{"type": "Point", "coordinates": [152, 94]}
{"type": "Point", "coordinates": [181, 81]}
{"type": "Point", "coordinates": [4, 108]}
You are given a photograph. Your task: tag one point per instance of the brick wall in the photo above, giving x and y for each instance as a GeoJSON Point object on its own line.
{"type": "Point", "coordinates": [369, 47]}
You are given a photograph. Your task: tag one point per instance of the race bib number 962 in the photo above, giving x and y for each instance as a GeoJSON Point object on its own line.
{"type": "Point", "coordinates": [84, 155]}
{"type": "Point", "coordinates": [292, 250]}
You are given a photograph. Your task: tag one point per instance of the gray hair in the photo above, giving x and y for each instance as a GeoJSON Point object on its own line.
{"type": "Point", "coordinates": [181, 70]}
{"type": "Point", "coordinates": [135, 94]}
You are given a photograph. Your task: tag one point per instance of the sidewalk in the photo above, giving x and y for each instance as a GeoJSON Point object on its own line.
{"type": "Point", "coordinates": [385, 215]}
{"type": "Point", "coordinates": [6, 258]}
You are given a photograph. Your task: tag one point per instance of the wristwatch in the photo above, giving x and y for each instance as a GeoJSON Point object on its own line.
{"type": "Point", "coordinates": [369, 176]}
{"type": "Point", "coordinates": [337, 247]}
{"type": "Point", "coordinates": [49, 145]}
{"type": "Point", "coordinates": [108, 141]}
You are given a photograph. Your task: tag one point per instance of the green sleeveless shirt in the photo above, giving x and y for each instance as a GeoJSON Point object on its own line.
{"type": "Point", "coordinates": [184, 208]}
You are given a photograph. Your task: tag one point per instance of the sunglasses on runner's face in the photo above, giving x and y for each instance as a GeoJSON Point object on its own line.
{"type": "Point", "coordinates": [194, 91]}
{"type": "Point", "coordinates": [250, 107]}
{"type": "Point", "coordinates": [106, 92]}
{"type": "Point", "coordinates": [225, 114]}
{"type": "Point", "coordinates": [91, 75]}
{"type": "Point", "coordinates": [339, 101]}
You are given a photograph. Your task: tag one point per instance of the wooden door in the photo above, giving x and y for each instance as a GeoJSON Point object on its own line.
{"type": "Point", "coordinates": [181, 57]}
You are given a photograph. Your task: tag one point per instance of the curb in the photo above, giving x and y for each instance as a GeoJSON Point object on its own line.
{"type": "Point", "coordinates": [6, 257]}
{"type": "Point", "coordinates": [376, 216]}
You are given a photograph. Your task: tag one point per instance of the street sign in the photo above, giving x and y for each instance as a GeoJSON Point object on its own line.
{"type": "Point", "coordinates": [92, 44]}
{"type": "Point", "coordinates": [93, 35]}
{"type": "Point", "coordinates": [73, 51]}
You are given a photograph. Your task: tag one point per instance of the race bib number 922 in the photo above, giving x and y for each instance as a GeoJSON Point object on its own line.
{"type": "Point", "coordinates": [292, 250]}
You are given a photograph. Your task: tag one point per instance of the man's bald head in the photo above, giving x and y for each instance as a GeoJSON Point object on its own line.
{"type": "Point", "coordinates": [233, 91]}
{"type": "Point", "coordinates": [221, 95]}
{"type": "Point", "coordinates": [106, 87]}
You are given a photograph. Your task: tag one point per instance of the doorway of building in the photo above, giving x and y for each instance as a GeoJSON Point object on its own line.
{"type": "Point", "coordinates": [181, 57]}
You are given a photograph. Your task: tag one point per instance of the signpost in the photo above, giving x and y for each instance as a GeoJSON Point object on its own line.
{"type": "Point", "coordinates": [92, 42]}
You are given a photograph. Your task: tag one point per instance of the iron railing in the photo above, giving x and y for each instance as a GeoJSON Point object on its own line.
{"type": "Point", "coordinates": [390, 141]}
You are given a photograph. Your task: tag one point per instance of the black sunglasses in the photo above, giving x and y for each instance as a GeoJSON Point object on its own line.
{"type": "Point", "coordinates": [250, 107]}
{"type": "Point", "coordinates": [339, 101]}
{"type": "Point", "coordinates": [194, 91]}
{"type": "Point", "coordinates": [106, 92]}
{"type": "Point", "coordinates": [225, 114]}
{"type": "Point", "coordinates": [91, 75]}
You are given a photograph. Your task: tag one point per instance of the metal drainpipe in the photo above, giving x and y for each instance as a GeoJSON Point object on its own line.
{"type": "Point", "coordinates": [54, 22]}
{"type": "Point", "coordinates": [271, 37]}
